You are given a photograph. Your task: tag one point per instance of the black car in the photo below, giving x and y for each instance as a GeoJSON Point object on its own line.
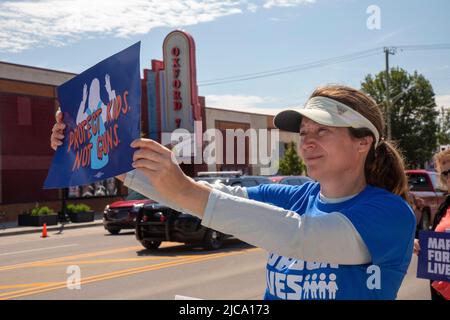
{"type": "Point", "coordinates": [156, 223]}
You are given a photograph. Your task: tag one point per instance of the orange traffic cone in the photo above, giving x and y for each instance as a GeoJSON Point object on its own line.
{"type": "Point", "coordinates": [44, 231]}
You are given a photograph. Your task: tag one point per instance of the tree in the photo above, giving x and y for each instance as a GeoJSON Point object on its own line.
{"type": "Point", "coordinates": [413, 112]}
{"type": "Point", "coordinates": [443, 137]}
{"type": "Point", "coordinates": [291, 164]}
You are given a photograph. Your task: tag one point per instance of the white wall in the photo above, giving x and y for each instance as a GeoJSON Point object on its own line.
{"type": "Point", "coordinates": [256, 121]}
{"type": "Point", "coordinates": [32, 74]}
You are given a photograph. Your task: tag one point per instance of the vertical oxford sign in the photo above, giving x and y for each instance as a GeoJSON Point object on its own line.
{"type": "Point", "coordinates": [181, 104]}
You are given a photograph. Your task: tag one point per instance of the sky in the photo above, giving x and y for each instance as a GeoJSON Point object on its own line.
{"type": "Point", "coordinates": [235, 38]}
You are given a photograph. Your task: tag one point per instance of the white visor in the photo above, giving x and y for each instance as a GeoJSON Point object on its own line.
{"type": "Point", "coordinates": [325, 111]}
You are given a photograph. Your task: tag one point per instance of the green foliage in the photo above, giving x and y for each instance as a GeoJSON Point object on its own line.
{"type": "Point", "coordinates": [41, 211]}
{"type": "Point", "coordinates": [443, 126]}
{"type": "Point", "coordinates": [291, 164]}
{"type": "Point", "coordinates": [413, 112]}
{"type": "Point", "coordinates": [77, 208]}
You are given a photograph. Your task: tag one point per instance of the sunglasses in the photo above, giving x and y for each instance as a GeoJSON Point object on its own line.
{"type": "Point", "coordinates": [445, 174]}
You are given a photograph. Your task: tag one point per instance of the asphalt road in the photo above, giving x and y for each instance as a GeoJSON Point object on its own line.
{"type": "Point", "coordinates": [118, 267]}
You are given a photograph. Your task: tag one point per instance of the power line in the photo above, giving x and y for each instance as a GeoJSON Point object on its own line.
{"type": "Point", "coordinates": [294, 68]}
{"type": "Point", "coordinates": [319, 63]}
{"type": "Point", "coordinates": [442, 46]}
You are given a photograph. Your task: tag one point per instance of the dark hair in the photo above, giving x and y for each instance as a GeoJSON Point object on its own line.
{"type": "Point", "coordinates": [384, 165]}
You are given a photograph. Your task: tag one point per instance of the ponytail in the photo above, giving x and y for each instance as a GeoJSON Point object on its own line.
{"type": "Point", "coordinates": [385, 169]}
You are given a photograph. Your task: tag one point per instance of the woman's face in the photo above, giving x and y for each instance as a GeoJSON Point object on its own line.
{"type": "Point", "coordinates": [329, 152]}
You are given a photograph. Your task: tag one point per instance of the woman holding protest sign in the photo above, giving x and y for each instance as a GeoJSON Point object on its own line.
{"type": "Point", "coordinates": [440, 290]}
{"type": "Point", "coordinates": [348, 236]}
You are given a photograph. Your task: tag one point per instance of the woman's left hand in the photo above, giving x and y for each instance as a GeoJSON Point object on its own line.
{"type": "Point", "coordinates": [159, 165]}
{"type": "Point", "coordinates": [162, 170]}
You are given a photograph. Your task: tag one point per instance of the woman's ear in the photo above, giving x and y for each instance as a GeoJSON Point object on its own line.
{"type": "Point", "coordinates": [365, 143]}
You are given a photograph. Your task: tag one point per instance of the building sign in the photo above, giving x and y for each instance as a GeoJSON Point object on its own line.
{"type": "Point", "coordinates": [181, 106]}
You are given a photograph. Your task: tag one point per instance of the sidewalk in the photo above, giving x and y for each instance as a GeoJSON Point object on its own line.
{"type": "Point", "coordinates": [12, 229]}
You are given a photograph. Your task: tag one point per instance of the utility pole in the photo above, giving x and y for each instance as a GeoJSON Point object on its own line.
{"type": "Point", "coordinates": [388, 51]}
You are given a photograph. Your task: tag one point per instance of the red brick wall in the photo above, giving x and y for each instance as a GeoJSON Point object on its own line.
{"type": "Point", "coordinates": [25, 126]}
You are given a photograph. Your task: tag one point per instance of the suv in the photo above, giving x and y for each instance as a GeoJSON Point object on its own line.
{"type": "Point", "coordinates": [156, 223]}
{"type": "Point", "coordinates": [122, 214]}
{"type": "Point", "coordinates": [425, 187]}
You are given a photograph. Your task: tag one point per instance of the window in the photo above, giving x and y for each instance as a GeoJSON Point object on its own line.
{"type": "Point", "coordinates": [418, 182]}
{"type": "Point", "coordinates": [105, 188]}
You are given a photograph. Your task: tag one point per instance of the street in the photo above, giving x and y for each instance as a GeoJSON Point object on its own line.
{"type": "Point", "coordinates": [118, 267]}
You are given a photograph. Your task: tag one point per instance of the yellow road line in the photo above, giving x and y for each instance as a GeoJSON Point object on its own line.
{"type": "Point", "coordinates": [116, 273]}
{"type": "Point", "coordinates": [79, 262]}
{"type": "Point", "coordinates": [65, 258]}
{"type": "Point", "coordinates": [122, 273]}
{"type": "Point", "coordinates": [36, 284]}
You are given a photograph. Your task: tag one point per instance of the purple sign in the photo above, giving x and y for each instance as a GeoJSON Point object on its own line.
{"type": "Point", "coordinates": [434, 256]}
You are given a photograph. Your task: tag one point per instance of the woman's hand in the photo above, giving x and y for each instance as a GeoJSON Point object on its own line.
{"type": "Point", "coordinates": [416, 247]}
{"type": "Point", "coordinates": [57, 131]}
{"type": "Point", "coordinates": [159, 165]}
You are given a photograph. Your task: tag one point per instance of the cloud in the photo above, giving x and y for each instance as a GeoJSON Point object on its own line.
{"type": "Point", "coordinates": [285, 3]}
{"type": "Point", "coordinates": [443, 101]}
{"type": "Point", "coordinates": [241, 103]}
{"type": "Point", "coordinates": [25, 24]}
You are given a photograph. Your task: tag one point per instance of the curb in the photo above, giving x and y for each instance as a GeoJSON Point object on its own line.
{"type": "Point", "coordinates": [68, 226]}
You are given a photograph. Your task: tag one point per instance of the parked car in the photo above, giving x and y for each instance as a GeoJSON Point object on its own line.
{"type": "Point", "coordinates": [291, 180]}
{"type": "Point", "coordinates": [122, 214]}
{"type": "Point", "coordinates": [157, 223]}
{"type": "Point", "coordinates": [233, 178]}
{"type": "Point", "coordinates": [428, 194]}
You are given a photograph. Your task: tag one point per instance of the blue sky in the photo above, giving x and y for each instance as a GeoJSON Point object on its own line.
{"type": "Point", "coordinates": [234, 38]}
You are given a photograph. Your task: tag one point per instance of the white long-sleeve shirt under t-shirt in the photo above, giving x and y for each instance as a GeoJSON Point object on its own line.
{"type": "Point", "coordinates": [357, 247]}
{"type": "Point", "coordinates": [331, 237]}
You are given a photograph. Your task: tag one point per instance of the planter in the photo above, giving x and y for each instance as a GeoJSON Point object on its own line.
{"type": "Point", "coordinates": [37, 221]}
{"type": "Point", "coordinates": [81, 216]}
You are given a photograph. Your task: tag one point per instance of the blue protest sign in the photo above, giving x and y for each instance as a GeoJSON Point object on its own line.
{"type": "Point", "coordinates": [434, 256]}
{"type": "Point", "coordinates": [101, 110]}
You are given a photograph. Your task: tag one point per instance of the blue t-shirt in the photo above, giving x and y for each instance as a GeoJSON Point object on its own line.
{"type": "Point", "coordinates": [386, 224]}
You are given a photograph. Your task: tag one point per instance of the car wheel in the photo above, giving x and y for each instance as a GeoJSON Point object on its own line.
{"type": "Point", "coordinates": [114, 231]}
{"type": "Point", "coordinates": [151, 245]}
{"type": "Point", "coordinates": [425, 220]}
{"type": "Point", "coordinates": [213, 240]}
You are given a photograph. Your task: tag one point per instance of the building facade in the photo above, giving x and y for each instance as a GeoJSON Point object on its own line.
{"type": "Point", "coordinates": [28, 102]}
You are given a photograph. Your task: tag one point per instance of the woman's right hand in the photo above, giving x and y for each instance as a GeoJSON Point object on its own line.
{"type": "Point", "coordinates": [57, 131]}
{"type": "Point", "coordinates": [416, 247]}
